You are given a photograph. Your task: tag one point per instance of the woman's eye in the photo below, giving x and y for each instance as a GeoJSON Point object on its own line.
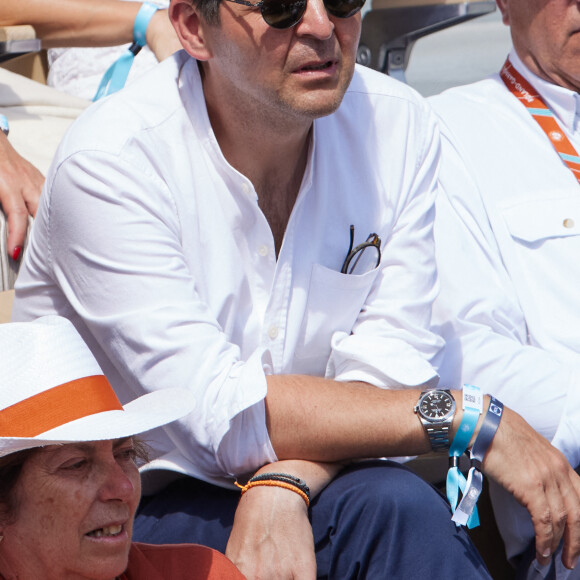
{"type": "Point", "coordinates": [74, 464]}
{"type": "Point", "coordinates": [128, 454]}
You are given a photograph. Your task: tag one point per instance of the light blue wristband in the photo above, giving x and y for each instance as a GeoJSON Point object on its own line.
{"type": "Point", "coordinates": [142, 20]}
{"type": "Point", "coordinates": [472, 408]}
{"type": "Point", "coordinates": [4, 125]}
{"type": "Point", "coordinates": [116, 75]}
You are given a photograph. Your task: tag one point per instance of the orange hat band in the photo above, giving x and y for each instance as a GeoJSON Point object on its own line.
{"type": "Point", "coordinates": [58, 406]}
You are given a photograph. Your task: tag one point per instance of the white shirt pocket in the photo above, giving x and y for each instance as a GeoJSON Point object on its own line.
{"type": "Point", "coordinates": [542, 219]}
{"type": "Point", "coordinates": [334, 303]}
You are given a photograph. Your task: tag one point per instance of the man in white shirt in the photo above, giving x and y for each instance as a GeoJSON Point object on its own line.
{"type": "Point", "coordinates": [508, 233]}
{"type": "Point", "coordinates": [202, 228]}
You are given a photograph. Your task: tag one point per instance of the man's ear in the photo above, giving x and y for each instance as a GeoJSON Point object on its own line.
{"type": "Point", "coordinates": [190, 28]}
{"type": "Point", "coordinates": [503, 6]}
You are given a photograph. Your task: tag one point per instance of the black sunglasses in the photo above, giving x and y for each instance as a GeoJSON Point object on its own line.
{"type": "Point", "coordinates": [287, 13]}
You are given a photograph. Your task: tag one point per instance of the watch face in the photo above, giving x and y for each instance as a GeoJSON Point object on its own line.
{"type": "Point", "coordinates": [436, 405]}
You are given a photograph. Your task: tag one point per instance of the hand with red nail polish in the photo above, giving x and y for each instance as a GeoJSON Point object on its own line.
{"type": "Point", "coordinates": [16, 253]}
{"type": "Point", "coordinates": [20, 187]}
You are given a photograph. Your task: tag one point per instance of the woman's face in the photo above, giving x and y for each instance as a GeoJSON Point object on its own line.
{"type": "Point", "coordinates": [74, 513]}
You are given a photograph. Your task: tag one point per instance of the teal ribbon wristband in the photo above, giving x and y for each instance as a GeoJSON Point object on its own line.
{"type": "Point", "coordinates": [474, 484]}
{"type": "Point", "coordinates": [472, 407]}
{"type": "Point", "coordinates": [116, 75]}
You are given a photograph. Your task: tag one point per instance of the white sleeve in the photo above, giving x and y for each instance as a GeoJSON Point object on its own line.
{"type": "Point", "coordinates": [478, 313]}
{"type": "Point", "coordinates": [391, 345]}
{"type": "Point", "coordinates": [114, 246]}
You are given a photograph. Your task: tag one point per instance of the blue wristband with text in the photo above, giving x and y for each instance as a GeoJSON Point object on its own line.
{"type": "Point", "coordinates": [474, 484]}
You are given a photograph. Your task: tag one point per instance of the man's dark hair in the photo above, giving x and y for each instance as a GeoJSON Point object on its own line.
{"type": "Point", "coordinates": [209, 10]}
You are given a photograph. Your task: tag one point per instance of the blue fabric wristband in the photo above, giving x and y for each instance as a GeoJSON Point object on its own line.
{"type": "Point", "coordinates": [116, 75]}
{"type": "Point", "coordinates": [474, 484]}
{"type": "Point", "coordinates": [142, 20]}
{"type": "Point", "coordinates": [487, 432]}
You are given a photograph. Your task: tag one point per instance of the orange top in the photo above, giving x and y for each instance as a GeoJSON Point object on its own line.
{"type": "Point", "coordinates": [178, 562]}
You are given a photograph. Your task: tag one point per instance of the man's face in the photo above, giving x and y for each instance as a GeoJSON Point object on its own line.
{"type": "Point", "coordinates": [546, 35]}
{"type": "Point", "coordinates": [298, 73]}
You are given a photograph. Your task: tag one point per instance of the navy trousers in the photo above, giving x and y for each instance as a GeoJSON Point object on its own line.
{"type": "Point", "coordinates": [375, 520]}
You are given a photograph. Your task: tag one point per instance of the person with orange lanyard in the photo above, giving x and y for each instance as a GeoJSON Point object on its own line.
{"type": "Point", "coordinates": [508, 237]}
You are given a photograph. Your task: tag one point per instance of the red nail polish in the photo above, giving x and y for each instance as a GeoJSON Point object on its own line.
{"type": "Point", "coordinates": [16, 253]}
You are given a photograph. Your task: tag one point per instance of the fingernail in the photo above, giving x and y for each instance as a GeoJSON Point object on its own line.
{"type": "Point", "coordinates": [16, 253]}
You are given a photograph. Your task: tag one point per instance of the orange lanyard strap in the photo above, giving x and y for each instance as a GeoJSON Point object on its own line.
{"type": "Point", "coordinates": [57, 406]}
{"type": "Point", "coordinates": [536, 106]}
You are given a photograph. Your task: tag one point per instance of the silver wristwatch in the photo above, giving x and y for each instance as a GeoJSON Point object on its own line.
{"type": "Point", "coordinates": [436, 409]}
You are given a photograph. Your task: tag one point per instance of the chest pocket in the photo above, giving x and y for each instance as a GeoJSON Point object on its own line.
{"type": "Point", "coordinates": [334, 303]}
{"type": "Point", "coordinates": [543, 219]}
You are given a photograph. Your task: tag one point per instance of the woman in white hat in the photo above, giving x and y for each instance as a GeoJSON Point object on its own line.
{"type": "Point", "coordinates": [69, 482]}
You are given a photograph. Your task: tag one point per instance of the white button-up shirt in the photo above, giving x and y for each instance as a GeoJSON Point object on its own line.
{"type": "Point", "coordinates": [508, 239]}
{"type": "Point", "coordinates": [507, 236]}
{"type": "Point", "coordinates": [157, 250]}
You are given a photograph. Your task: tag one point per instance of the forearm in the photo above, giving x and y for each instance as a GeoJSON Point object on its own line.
{"type": "Point", "coordinates": [322, 420]}
{"type": "Point", "coordinates": [74, 22]}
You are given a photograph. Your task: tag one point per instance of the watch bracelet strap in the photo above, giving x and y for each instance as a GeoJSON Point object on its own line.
{"type": "Point", "coordinates": [438, 437]}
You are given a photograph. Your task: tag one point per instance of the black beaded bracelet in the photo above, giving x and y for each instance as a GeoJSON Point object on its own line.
{"type": "Point", "coordinates": [286, 478]}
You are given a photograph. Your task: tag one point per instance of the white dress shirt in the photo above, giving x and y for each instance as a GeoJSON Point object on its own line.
{"type": "Point", "coordinates": [508, 235]}
{"type": "Point", "coordinates": [156, 249]}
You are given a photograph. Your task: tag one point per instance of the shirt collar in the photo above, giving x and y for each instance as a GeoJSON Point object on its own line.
{"type": "Point", "coordinates": [564, 103]}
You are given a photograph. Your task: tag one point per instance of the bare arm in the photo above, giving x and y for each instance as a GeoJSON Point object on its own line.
{"type": "Point", "coordinates": [88, 23]}
{"type": "Point", "coordinates": [20, 187]}
{"type": "Point", "coordinates": [322, 420]}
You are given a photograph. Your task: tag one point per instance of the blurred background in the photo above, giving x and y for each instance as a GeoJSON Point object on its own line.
{"type": "Point", "coordinates": [458, 55]}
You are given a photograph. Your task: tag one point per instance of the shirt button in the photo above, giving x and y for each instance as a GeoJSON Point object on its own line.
{"type": "Point", "coordinates": [246, 188]}
{"type": "Point", "coordinates": [273, 332]}
{"type": "Point", "coordinates": [263, 250]}
{"type": "Point", "coordinates": [568, 223]}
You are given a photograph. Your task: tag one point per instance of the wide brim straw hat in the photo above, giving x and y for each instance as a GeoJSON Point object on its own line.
{"type": "Point", "coordinates": [52, 390]}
